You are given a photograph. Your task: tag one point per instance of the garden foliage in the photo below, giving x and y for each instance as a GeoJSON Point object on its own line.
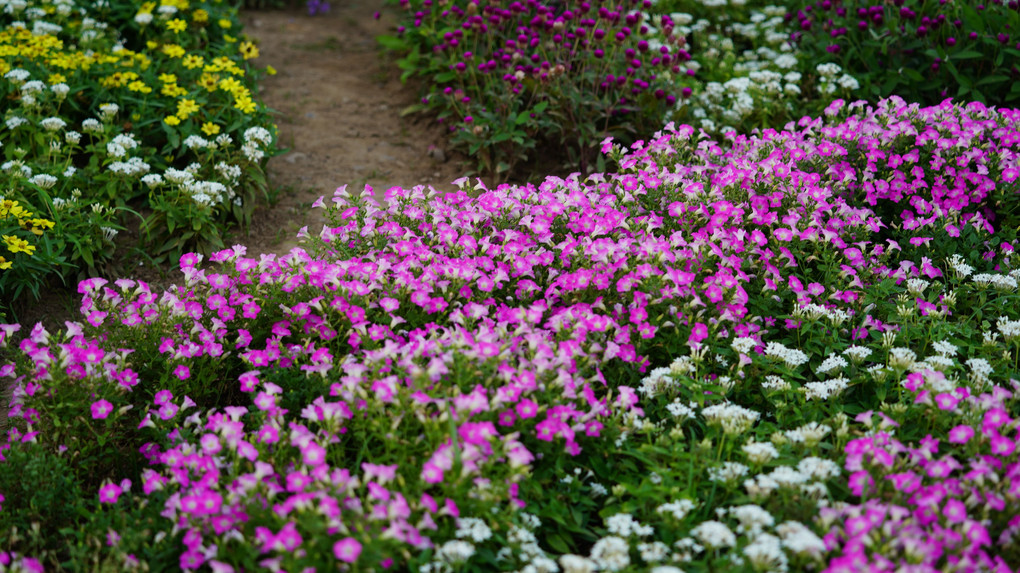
{"type": "Point", "coordinates": [798, 349]}
{"type": "Point", "coordinates": [512, 80]}
{"type": "Point", "coordinates": [922, 51]}
{"type": "Point", "coordinates": [123, 114]}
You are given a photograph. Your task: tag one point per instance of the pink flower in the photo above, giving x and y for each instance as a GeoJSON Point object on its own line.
{"type": "Point", "coordinates": [313, 454]}
{"type": "Point", "coordinates": [109, 493]}
{"type": "Point", "coordinates": [182, 372]}
{"type": "Point", "coordinates": [101, 409]}
{"type": "Point", "coordinates": [1001, 445]}
{"type": "Point", "coordinates": [954, 511]}
{"type": "Point", "coordinates": [527, 409]}
{"type": "Point", "coordinates": [961, 434]}
{"type": "Point", "coordinates": [946, 401]}
{"type": "Point", "coordinates": [431, 473]}
{"type": "Point", "coordinates": [347, 550]}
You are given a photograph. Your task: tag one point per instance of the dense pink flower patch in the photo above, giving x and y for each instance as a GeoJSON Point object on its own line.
{"type": "Point", "coordinates": [464, 342]}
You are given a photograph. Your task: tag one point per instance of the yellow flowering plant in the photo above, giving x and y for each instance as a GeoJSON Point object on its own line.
{"type": "Point", "coordinates": [143, 109]}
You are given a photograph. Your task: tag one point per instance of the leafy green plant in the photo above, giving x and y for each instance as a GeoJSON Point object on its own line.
{"type": "Point", "coordinates": [509, 81]}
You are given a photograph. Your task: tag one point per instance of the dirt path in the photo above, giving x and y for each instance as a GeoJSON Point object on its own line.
{"type": "Point", "coordinates": [338, 105]}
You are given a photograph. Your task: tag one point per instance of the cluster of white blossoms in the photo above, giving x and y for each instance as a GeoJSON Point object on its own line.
{"type": "Point", "coordinates": [826, 389]}
{"type": "Point", "coordinates": [791, 356]}
{"type": "Point", "coordinates": [473, 528]}
{"type": "Point", "coordinates": [816, 311]}
{"type": "Point", "coordinates": [765, 77]}
{"type": "Point", "coordinates": [831, 79]}
{"type": "Point", "coordinates": [996, 281]}
{"type": "Point", "coordinates": [732, 418]}
{"type": "Point", "coordinates": [624, 525]}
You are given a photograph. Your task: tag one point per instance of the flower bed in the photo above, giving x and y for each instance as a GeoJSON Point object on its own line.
{"type": "Point", "coordinates": [799, 351]}
{"type": "Point", "coordinates": [118, 107]}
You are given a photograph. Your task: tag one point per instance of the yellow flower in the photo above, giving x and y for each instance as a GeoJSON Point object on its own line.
{"type": "Point", "coordinates": [151, 45]}
{"type": "Point", "coordinates": [229, 39]}
{"type": "Point", "coordinates": [36, 226]}
{"type": "Point", "coordinates": [192, 61]}
{"type": "Point", "coordinates": [209, 81]}
{"type": "Point", "coordinates": [248, 50]}
{"type": "Point", "coordinates": [5, 264]}
{"type": "Point", "coordinates": [171, 120]}
{"type": "Point", "coordinates": [231, 86]}
{"type": "Point", "coordinates": [224, 23]}
{"type": "Point", "coordinates": [245, 104]}
{"type": "Point", "coordinates": [9, 207]}
{"type": "Point", "coordinates": [271, 70]}
{"type": "Point", "coordinates": [16, 245]}
{"type": "Point", "coordinates": [173, 50]}
{"type": "Point", "coordinates": [173, 90]}
{"type": "Point", "coordinates": [56, 79]}
{"type": "Point", "coordinates": [200, 15]}
{"type": "Point", "coordinates": [209, 128]}
{"type": "Point", "coordinates": [186, 107]}
{"type": "Point", "coordinates": [139, 86]}
{"type": "Point", "coordinates": [168, 78]}
{"type": "Point", "coordinates": [176, 25]}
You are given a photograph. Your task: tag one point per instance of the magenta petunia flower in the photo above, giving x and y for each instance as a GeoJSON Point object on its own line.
{"type": "Point", "coordinates": [347, 550]}
{"type": "Point", "coordinates": [110, 493]}
{"type": "Point", "coordinates": [182, 372]}
{"type": "Point", "coordinates": [101, 409]}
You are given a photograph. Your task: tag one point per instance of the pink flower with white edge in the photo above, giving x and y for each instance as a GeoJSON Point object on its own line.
{"type": "Point", "coordinates": [347, 549]}
{"type": "Point", "coordinates": [314, 455]}
{"type": "Point", "coordinates": [109, 493]}
{"type": "Point", "coordinates": [101, 409]}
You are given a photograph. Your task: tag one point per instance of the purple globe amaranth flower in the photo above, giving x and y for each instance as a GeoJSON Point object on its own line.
{"type": "Point", "coordinates": [1003, 38]}
{"type": "Point", "coordinates": [833, 48]}
{"type": "Point", "coordinates": [950, 41]}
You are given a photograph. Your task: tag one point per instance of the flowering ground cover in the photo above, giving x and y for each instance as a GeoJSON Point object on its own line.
{"type": "Point", "coordinates": [785, 351]}
{"type": "Point", "coordinates": [122, 114]}
{"type": "Point", "coordinates": [511, 80]}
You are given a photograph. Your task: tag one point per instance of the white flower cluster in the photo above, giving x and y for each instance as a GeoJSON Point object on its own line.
{"type": "Point", "coordinates": [624, 525]}
{"type": "Point", "coordinates": [809, 434]}
{"type": "Point", "coordinates": [960, 266]}
{"type": "Point", "coordinates": [831, 79]}
{"type": "Point", "coordinates": [761, 78]}
{"type": "Point", "coordinates": [760, 453]}
{"type": "Point", "coordinates": [678, 509]}
{"type": "Point", "coordinates": [791, 356]}
{"type": "Point", "coordinates": [658, 381]}
{"type": "Point", "coordinates": [473, 528]}
{"type": "Point", "coordinates": [681, 411]}
{"type": "Point", "coordinates": [255, 140]}
{"type": "Point", "coordinates": [816, 311]}
{"type": "Point", "coordinates": [728, 472]}
{"type": "Point", "coordinates": [826, 389]}
{"type": "Point", "coordinates": [832, 362]}
{"type": "Point", "coordinates": [714, 534]}
{"type": "Point", "coordinates": [733, 419]}
{"type": "Point", "coordinates": [998, 282]}
{"type": "Point", "coordinates": [611, 553]}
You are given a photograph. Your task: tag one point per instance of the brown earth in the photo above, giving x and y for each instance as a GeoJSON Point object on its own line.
{"type": "Point", "coordinates": [338, 103]}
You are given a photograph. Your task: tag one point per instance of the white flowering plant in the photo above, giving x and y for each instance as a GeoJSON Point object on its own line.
{"type": "Point", "coordinates": [101, 101]}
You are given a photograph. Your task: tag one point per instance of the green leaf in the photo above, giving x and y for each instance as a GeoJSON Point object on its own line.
{"type": "Point", "coordinates": [966, 55]}
{"type": "Point", "coordinates": [992, 80]}
{"type": "Point", "coordinates": [541, 107]}
{"type": "Point", "coordinates": [412, 109]}
{"type": "Point", "coordinates": [392, 43]}
{"type": "Point", "coordinates": [444, 77]}
{"type": "Point", "coordinates": [557, 542]}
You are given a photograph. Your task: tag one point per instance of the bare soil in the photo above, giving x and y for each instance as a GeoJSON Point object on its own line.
{"type": "Point", "coordinates": [338, 103]}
